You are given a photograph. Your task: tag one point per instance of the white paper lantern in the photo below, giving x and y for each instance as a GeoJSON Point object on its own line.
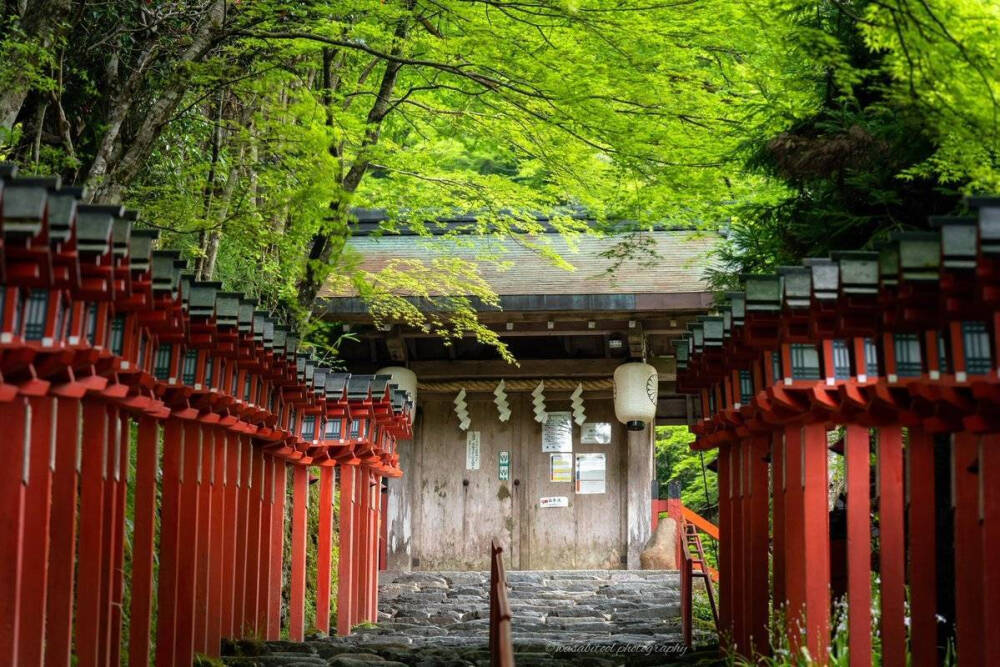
{"type": "Point", "coordinates": [636, 387]}
{"type": "Point", "coordinates": [403, 378]}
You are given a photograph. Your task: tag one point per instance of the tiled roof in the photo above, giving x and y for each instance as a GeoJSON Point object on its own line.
{"type": "Point", "coordinates": [678, 266]}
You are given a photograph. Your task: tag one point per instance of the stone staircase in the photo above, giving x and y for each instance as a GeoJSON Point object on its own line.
{"type": "Point", "coordinates": [578, 617]}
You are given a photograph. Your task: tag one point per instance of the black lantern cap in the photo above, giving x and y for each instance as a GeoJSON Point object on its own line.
{"type": "Point", "coordinates": [24, 206]}
{"type": "Point", "coordinates": [989, 223]}
{"type": "Point", "coordinates": [292, 344]}
{"type": "Point", "coordinates": [62, 212]}
{"type": "Point", "coordinates": [268, 334]}
{"type": "Point", "coordinates": [738, 303]}
{"type": "Point", "coordinates": [121, 232]}
{"type": "Point", "coordinates": [141, 248]}
{"type": "Point", "coordinates": [202, 300]}
{"type": "Point", "coordinates": [825, 277]}
{"type": "Point", "coordinates": [258, 325]}
{"type": "Point", "coordinates": [245, 316]}
{"type": "Point", "coordinates": [859, 271]}
{"type": "Point", "coordinates": [359, 387]}
{"type": "Point", "coordinates": [93, 227]}
{"type": "Point", "coordinates": [959, 240]}
{"type": "Point", "coordinates": [227, 309]}
{"type": "Point", "coordinates": [797, 282]}
{"type": "Point", "coordinates": [319, 379]}
{"type": "Point", "coordinates": [164, 270]}
{"type": "Point", "coordinates": [764, 292]}
{"type": "Point", "coordinates": [336, 383]}
{"type": "Point", "coordinates": [280, 337]}
{"type": "Point", "coordinates": [187, 284]}
{"type": "Point", "coordinates": [713, 328]}
{"type": "Point", "coordinates": [888, 265]}
{"type": "Point", "coordinates": [379, 384]}
{"type": "Point", "coordinates": [919, 255]}
{"type": "Point", "coordinates": [697, 331]}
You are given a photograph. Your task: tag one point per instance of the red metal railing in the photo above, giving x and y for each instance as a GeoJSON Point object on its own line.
{"type": "Point", "coordinates": [501, 640]}
{"type": "Point", "coordinates": [691, 559]}
{"type": "Point", "coordinates": [102, 338]}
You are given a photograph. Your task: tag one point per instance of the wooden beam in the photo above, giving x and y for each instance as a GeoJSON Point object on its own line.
{"type": "Point", "coordinates": [396, 345]}
{"type": "Point", "coordinates": [528, 368]}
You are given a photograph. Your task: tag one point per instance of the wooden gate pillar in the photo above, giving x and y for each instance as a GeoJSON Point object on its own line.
{"type": "Point", "coordinates": [857, 452]}
{"type": "Point", "coordinates": [265, 593]}
{"type": "Point", "coordinates": [229, 530]}
{"type": "Point", "coordinates": [816, 536]}
{"type": "Point", "coordinates": [795, 572]}
{"type": "Point", "coordinates": [244, 452]}
{"type": "Point", "coordinates": [726, 587]}
{"type": "Point", "coordinates": [923, 565]}
{"type": "Point", "coordinates": [143, 540]}
{"type": "Point", "coordinates": [17, 421]}
{"type": "Point", "coordinates": [759, 546]}
{"type": "Point", "coordinates": [968, 551]}
{"type": "Point", "coordinates": [255, 493]}
{"type": "Point", "coordinates": [218, 572]}
{"type": "Point", "coordinates": [187, 570]}
{"type": "Point", "coordinates": [989, 469]}
{"type": "Point", "coordinates": [277, 550]}
{"type": "Point", "coordinates": [166, 605]}
{"type": "Point", "coordinates": [345, 564]}
{"type": "Point", "coordinates": [778, 595]}
{"type": "Point", "coordinates": [324, 548]}
{"type": "Point", "coordinates": [737, 471]}
{"type": "Point", "coordinates": [35, 548]}
{"type": "Point", "coordinates": [892, 558]}
{"type": "Point", "coordinates": [300, 504]}
{"type": "Point", "coordinates": [205, 539]}
{"type": "Point", "coordinates": [63, 526]}
{"type": "Point", "coordinates": [91, 541]}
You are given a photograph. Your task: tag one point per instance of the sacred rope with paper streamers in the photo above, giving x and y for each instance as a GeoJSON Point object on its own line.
{"type": "Point", "coordinates": [503, 408]}
{"type": "Point", "coordinates": [576, 402]}
{"type": "Point", "coordinates": [461, 411]}
{"type": "Point", "coordinates": [538, 400]}
{"type": "Point", "coordinates": [512, 385]}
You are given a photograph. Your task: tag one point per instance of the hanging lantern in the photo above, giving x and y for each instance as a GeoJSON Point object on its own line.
{"type": "Point", "coordinates": [403, 378]}
{"type": "Point", "coordinates": [636, 388]}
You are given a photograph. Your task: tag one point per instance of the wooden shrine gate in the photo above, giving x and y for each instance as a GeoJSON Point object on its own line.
{"type": "Point", "coordinates": [102, 338]}
{"type": "Point", "coordinates": [897, 351]}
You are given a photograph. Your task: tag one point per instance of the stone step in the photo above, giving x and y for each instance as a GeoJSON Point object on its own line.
{"type": "Point", "coordinates": [560, 618]}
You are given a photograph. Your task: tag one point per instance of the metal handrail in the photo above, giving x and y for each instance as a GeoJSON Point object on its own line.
{"type": "Point", "coordinates": [501, 639]}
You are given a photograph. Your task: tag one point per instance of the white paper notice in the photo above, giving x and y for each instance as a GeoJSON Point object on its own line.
{"type": "Point", "coordinates": [553, 501]}
{"type": "Point", "coordinates": [472, 450]}
{"type": "Point", "coordinates": [590, 473]}
{"type": "Point", "coordinates": [595, 433]}
{"type": "Point", "coordinates": [557, 433]}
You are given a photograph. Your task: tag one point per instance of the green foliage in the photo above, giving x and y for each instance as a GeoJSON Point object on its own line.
{"type": "Point", "coordinates": [249, 131]}
{"type": "Point", "coordinates": [675, 460]}
{"type": "Point", "coordinates": [875, 116]}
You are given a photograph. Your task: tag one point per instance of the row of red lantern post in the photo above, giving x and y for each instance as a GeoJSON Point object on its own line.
{"type": "Point", "coordinates": [112, 359]}
{"type": "Point", "coordinates": [891, 356]}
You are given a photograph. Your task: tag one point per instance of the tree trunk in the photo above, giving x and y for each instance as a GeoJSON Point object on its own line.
{"type": "Point", "coordinates": [321, 246]}
{"type": "Point", "coordinates": [42, 22]}
{"type": "Point", "coordinates": [212, 245]}
{"type": "Point", "coordinates": [108, 178]}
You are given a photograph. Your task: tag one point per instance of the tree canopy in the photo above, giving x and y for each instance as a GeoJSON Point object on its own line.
{"type": "Point", "coordinates": [249, 130]}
